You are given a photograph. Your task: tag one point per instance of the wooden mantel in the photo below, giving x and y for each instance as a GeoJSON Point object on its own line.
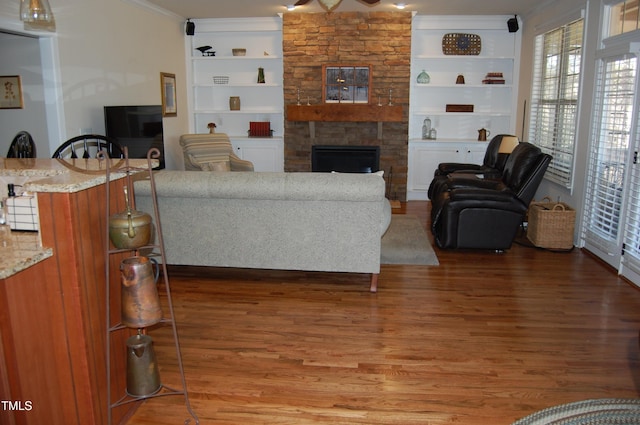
{"type": "Point", "coordinates": [344, 112]}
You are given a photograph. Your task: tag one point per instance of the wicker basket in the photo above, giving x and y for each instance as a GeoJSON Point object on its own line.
{"type": "Point", "coordinates": [461, 44]}
{"type": "Point", "coordinates": [220, 79]}
{"type": "Point", "coordinates": [550, 225]}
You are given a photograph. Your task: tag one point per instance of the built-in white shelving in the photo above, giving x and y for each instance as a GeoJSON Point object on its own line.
{"type": "Point", "coordinates": [209, 98]}
{"type": "Point", "coordinates": [494, 105]}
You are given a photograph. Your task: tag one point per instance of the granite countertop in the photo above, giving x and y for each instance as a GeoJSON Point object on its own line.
{"type": "Point", "coordinates": [63, 175]}
{"type": "Point", "coordinates": [20, 252]}
{"type": "Point", "coordinates": [24, 249]}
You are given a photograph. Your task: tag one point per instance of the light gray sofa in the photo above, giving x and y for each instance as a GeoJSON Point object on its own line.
{"type": "Point", "coordinates": [291, 221]}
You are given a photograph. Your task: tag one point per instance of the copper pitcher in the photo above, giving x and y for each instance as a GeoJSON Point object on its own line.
{"type": "Point", "coordinates": [483, 134]}
{"type": "Point", "coordinates": [140, 300]}
{"type": "Point", "coordinates": [143, 378]}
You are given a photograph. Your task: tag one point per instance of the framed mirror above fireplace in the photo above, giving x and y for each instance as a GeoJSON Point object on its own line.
{"type": "Point", "coordinates": [346, 83]}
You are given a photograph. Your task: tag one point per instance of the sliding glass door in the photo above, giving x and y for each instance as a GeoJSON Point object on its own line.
{"type": "Point", "coordinates": [612, 209]}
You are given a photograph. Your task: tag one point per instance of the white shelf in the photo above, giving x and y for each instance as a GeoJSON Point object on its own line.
{"type": "Point", "coordinates": [235, 58]}
{"type": "Point", "coordinates": [461, 86]}
{"type": "Point", "coordinates": [243, 85]}
{"type": "Point", "coordinates": [444, 141]}
{"type": "Point", "coordinates": [494, 104]}
{"type": "Point", "coordinates": [462, 115]}
{"type": "Point", "coordinates": [270, 111]}
{"type": "Point", "coordinates": [463, 57]}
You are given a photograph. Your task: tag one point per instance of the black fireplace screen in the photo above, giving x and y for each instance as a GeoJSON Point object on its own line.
{"type": "Point", "coordinates": [345, 159]}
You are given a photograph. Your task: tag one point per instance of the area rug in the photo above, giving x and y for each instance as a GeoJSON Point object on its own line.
{"type": "Point", "coordinates": [406, 242]}
{"type": "Point", "coordinates": [606, 411]}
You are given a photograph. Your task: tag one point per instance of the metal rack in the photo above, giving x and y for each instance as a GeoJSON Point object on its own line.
{"type": "Point", "coordinates": [164, 390]}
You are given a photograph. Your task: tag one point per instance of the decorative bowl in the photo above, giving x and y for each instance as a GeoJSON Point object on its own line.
{"type": "Point", "coordinates": [239, 52]}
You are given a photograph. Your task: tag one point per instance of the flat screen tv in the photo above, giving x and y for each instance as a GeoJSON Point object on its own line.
{"type": "Point", "coordinates": [139, 128]}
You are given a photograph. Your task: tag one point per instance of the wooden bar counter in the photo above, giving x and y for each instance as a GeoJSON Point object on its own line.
{"type": "Point", "coordinates": [52, 299]}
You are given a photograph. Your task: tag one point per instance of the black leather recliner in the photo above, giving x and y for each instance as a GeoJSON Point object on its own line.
{"type": "Point", "coordinates": [491, 167]}
{"type": "Point", "coordinates": [473, 212]}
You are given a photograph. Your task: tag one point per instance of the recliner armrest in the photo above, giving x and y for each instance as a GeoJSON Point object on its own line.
{"type": "Point", "coordinates": [484, 199]}
{"type": "Point", "coordinates": [452, 167]}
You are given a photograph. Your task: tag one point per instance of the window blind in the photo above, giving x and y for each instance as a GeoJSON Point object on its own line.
{"type": "Point", "coordinates": [554, 97]}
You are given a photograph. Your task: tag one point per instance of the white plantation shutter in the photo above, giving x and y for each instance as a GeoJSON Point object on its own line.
{"type": "Point", "coordinates": [609, 158]}
{"type": "Point", "coordinates": [554, 97]}
{"type": "Point", "coordinates": [631, 246]}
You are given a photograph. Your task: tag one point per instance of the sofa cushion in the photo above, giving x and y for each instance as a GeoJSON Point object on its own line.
{"type": "Point", "coordinates": [270, 186]}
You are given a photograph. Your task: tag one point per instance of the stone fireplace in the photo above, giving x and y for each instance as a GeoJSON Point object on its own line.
{"type": "Point", "coordinates": [379, 39]}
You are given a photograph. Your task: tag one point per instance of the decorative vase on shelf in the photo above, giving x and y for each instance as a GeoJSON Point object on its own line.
{"type": "Point", "coordinates": [423, 77]}
{"type": "Point", "coordinates": [234, 103]}
{"type": "Point", "coordinates": [260, 75]}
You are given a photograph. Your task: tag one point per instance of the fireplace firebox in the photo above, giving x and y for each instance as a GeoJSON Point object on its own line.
{"type": "Point", "coordinates": [345, 159]}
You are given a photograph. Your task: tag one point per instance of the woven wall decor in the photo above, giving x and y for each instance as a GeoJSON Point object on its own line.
{"type": "Point", "coordinates": [461, 44]}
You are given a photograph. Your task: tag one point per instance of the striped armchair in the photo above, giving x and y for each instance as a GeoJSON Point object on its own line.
{"type": "Point", "coordinates": [211, 152]}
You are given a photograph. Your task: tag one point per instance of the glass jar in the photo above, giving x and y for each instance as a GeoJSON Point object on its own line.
{"type": "Point", "coordinates": [426, 128]}
{"type": "Point", "coordinates": [433, 134]}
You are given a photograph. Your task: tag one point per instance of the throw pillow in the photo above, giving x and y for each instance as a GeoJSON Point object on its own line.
{"type": "Point", "coordinates": [216, 166]}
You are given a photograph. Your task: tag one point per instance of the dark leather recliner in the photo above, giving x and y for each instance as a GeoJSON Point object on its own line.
{"type": "Point", "coordinates": [472, 212]}
{"type": "Point", "coordinates": [491, 167]}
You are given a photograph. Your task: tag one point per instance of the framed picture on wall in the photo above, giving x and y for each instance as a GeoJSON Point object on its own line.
{"type": "Point", "coordinates": [168, 88]}
{"type": "Point", "coordinates": [11, 92]}
{"type": "Point", "coordinates": [346, 83]}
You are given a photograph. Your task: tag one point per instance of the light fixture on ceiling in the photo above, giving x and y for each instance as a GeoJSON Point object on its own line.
{"type": "Point", "coordinates": [35, 11]}
{"type": "Point", "coordinates": [400, 5]}
{"type": "Point", "coordinates": [330, 4]}
{"type": "Point", "coordinates": [291, 7]}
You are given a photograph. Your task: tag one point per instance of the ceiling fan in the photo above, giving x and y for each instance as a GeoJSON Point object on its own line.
{"type": "Point", "coordinates": [332, 4]}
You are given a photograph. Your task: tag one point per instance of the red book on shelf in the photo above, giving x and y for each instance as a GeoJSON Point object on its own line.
{"type": "Point", "coordinates": [259, 129]}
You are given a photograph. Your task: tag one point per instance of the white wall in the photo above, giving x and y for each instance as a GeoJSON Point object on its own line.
{"type": "Point", "coordinates": [111, 52]}
{"type": "Point", "coordinates": [24, 54]}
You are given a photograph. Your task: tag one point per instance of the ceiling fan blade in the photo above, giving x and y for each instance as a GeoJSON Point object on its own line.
{"type": "Point", "coordinates": [371, 1]}
{"type": "Point", "coordinates": [302, 2]}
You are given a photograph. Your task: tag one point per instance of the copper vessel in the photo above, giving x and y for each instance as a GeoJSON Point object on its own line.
{"type": "Point", "coordinates": [483, 134]}
{"type": "Point", "coordinates": [130, 229]}
{"type": "Point", "coordinates": [140, 301]}
{"type": "Point", "coordinates": [143, 378]}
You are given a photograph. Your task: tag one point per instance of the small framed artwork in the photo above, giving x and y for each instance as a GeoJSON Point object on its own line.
{"type": "Point", "coordinates": [11, 92]}
{"type": "Point", "coordinates": [346, 83]}
{"type": "Point", "coordinates": [168, 88]}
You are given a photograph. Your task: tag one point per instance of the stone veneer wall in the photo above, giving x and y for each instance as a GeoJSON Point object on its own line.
{"type": "Point", "coordinates": [380, 39]}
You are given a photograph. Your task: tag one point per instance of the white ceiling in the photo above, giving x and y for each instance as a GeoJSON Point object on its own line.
{"type": "Point", "coordinates": [259, 8]}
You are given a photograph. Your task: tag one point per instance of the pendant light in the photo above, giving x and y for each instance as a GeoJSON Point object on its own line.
{"type": "Point", "coordinates": [330, 4]}
{"type": "Point", "coordinates": [35, 11]}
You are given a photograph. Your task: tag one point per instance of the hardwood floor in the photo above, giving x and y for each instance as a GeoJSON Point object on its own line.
{"type": "Point", "coordinates": [484, 338]}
